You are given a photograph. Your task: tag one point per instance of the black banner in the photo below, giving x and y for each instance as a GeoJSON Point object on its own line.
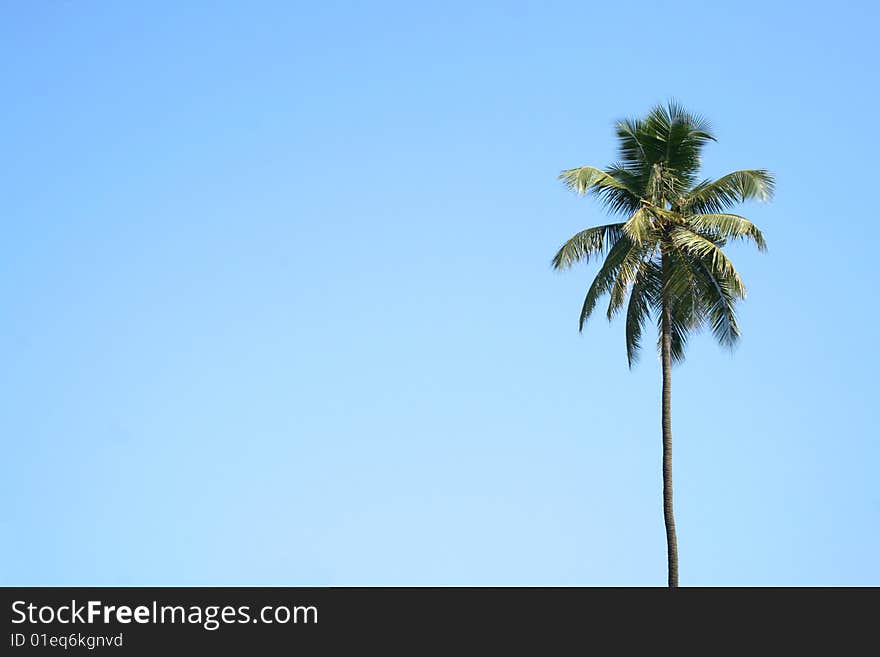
{"type": "Point", "coordinates": [461, 620]}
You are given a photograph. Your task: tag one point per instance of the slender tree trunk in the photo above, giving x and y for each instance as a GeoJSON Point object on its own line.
{"type": "Point", "coordinates": [668, 517]}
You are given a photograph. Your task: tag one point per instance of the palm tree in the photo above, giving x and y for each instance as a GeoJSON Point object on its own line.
{"type": "Point", "coordinates": [664, 259]}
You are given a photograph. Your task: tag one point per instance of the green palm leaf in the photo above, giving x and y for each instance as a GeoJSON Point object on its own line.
{"type": "Point", "coordinates": [720, 296]}
{"type": "Point", "coordinates": [737, 187]}
{"type": "Point", "coordinates": [614, 193]}
{"type": "Point", "coordinates": [695, 245]}
{"type": "Point", "coordinates": [626, 274]}
{"type": "Point", "coordinates": [587, 243]}
{"type": "Point", "coordinates": [727, 226]}
{"type": "Point", "coordinates": [606, 277]}
{"type": "Point", "coordinates": [641, 298]}
{"type": "Point", "coordinates": [638, 227]}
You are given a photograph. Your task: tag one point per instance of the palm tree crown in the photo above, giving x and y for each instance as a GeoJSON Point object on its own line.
{"type": "Point", "coordinates": [668, 244]}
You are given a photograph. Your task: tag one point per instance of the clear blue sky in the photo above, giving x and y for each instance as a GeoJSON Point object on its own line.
{"type": "Point", "coordinates": [277, 305]}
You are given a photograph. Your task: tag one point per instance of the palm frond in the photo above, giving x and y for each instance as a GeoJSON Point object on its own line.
{"type": "Point", "coordinates": [587, 243]}
{"type": "Point", "coordinates": [613, 193]}
{"type": "Point", "coordinates": [683, 290]}
{"type": "Point", "coordinates": [605, 278]}
{"type": "Point", "coordinates": [716, 196]}
{"type": "Point", "coordinates": [635, 179]}
{"type": "Point", "coordinates": [697, 245]}
{"type": "Point", "coordinates": [638, 227]}
{"type": "Point", "coordinates": [673, 113]}
{"type": "Point", "coordinates": [682, 296]}
{"type": "Point", "coordinates": [639, 308]}
{"type": "Point", "coordinates": [626, 274]}
{"type": "Point", "coordinates": [720, 296]}
{"type": "Point", "coordinates": [635, 148]}
{"type": "Point", "coordinates": [683, 136]}
{"type": "Point", "coordinates": [725, 226]}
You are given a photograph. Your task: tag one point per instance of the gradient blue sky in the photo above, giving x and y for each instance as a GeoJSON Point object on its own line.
{"type": "Point", "coordinates": [277, 305]}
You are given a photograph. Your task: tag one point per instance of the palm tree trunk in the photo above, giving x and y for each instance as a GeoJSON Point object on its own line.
{"type": "Point", "coordinates": [668, 517]}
